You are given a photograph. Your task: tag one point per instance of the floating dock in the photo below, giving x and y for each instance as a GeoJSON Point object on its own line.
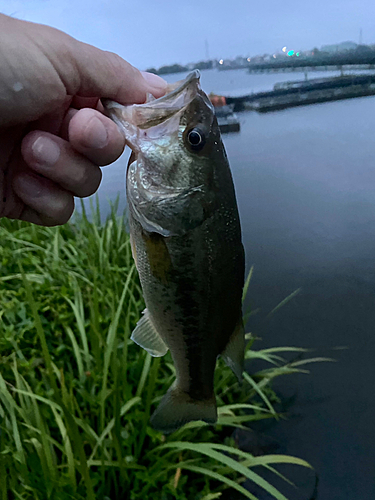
{"type": "Point", "coordinates": [290, 94]}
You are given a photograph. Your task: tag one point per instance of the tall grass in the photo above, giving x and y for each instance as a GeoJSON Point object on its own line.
{"type": "Point", "coordinates": [76, 394]}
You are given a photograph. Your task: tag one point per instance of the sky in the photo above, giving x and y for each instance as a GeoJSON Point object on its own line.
{"type": "Point", "coordinates": [151, 33]}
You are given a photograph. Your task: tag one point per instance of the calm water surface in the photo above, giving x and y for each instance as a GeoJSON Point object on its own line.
{"type": "Point", "coordinates": [305, 183]}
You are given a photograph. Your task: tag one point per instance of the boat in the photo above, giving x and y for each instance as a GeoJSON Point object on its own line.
{"type": "Point", "coordinates": [227, 119]}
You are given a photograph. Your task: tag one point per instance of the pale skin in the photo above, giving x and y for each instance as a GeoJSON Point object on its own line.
{"type": "Point", "coordinates": [53, 136]}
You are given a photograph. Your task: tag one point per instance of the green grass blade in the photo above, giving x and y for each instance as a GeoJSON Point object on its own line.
{"type": "Point", "coordinates": [259, 391]}
{"type": "Point", "coordinates": [67, 448]}
{"type": "Point", "coordinates": [247, 283]}
{"type": "Point", "coordinates": [76, 350]}
{"type": "Point", "coordinates": [144, 375]}
{"type": "Point", "coordinates": [239, 406]}
{"type": "Point", "coordinates": [221, 479]}
{"type": "Point", "coordinates": [77, 307]}
{"type": "Point", "coordinates": [319, 359]}
{"type": "Point", "coordinates": [209, 451]}
{"type": "Point", "coordinates": [212, 496]}
{"type": "Point", "coordinates": [285, 301]}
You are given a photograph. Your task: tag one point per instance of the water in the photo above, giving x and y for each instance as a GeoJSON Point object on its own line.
{"type": "Point", "coordinates": [305, 183]}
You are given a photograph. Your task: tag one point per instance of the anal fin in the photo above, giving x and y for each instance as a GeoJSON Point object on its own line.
{"type": "Point", "coordinates": [146, 336]}
{"type": "Point", "coordinates": [233, 354]}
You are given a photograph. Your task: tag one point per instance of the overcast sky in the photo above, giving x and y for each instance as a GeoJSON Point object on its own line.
{"type": "Point", "coordinates": [156, 32]}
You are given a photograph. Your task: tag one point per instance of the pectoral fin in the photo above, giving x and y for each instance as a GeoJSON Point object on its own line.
{"type": "Point", "coordinates": [146, 335]}
{"type": "Point", "coordinates": [233, 354]}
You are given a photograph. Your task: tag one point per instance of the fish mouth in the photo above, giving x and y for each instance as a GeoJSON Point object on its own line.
{"type": "Point", "coordinates": [156, 117]}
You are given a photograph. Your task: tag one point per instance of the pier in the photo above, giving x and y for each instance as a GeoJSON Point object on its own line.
{"type": "Point", "coordinates": [337, 62]}
{"type": "Point", "coordinates": [308, 68]}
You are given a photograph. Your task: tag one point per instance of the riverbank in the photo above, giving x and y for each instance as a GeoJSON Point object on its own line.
{"type": "Point", "coordinates": [76, 393]}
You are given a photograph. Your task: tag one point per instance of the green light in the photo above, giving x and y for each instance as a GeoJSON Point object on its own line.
{"type": "Point", "coordinates": [298, 54]}
{"type": "Point", "coordinates": [291, 52]}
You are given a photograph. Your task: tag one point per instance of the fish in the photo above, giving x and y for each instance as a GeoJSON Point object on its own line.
{"type": "Point", "coordinates": [186, 242]}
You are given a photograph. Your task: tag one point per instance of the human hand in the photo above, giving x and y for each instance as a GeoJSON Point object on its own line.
{"type": "Point", "coordinates": [53, 136]}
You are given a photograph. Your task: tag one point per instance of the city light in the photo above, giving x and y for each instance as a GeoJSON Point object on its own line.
{"type": "Point", "coordinates": [298, 54]}
{"type": "Point", "coordinates": [274, 56]}
{"type": "Point", "coordinates": [248, 59]}
{"type": "Point", "coordinates": [284, 49]}
{"type": "Point", "coordinates": [290, 53]}
{"type": "Point", "coordinates": [221, 61]}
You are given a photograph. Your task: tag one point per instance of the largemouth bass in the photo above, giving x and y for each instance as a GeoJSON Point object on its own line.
{"type": "Point", "coordinates": [186, 242]}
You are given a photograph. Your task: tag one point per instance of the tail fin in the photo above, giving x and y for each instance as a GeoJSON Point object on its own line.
{"type": "Point", "coordinates": [177, 408]}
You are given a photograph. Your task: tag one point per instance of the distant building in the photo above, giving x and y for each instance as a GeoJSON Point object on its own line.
{"type": "Point", "coordinates": [241, 61]}
{"type": "Point", "coordinates": [257, 59]}
{"type": "Point", "coordinates": [339, 47]}
{"type": "Point", "coordinates": [279, 55]}
{"type": "Point", "coordinates": [226, 62]}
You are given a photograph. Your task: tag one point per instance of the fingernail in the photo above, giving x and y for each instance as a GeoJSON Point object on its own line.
{"type": "Point", "coordinates": [46, 151]}
{"type": "Point", "coordinates": [96, 135]}
{"type": "Point", "coordinates": [154, 81]}
{"type": "Point", "coordinates": [29, 185]}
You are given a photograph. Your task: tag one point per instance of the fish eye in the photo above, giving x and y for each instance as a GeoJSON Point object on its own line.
{"type": "Point", "coordinates": [196, 139]}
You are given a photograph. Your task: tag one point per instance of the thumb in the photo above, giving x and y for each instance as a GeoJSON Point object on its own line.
{"type": "Point", "coordinates": [105, 74]}
{"type": "Point", "coordinates": [54, 59]}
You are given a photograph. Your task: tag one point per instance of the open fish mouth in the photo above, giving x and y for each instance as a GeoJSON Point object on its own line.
{"type": "Point", "coordinates": [155, 117]}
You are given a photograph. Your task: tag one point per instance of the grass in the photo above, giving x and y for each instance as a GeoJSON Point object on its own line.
{"type": "Point", "coordinates": [76, 394]}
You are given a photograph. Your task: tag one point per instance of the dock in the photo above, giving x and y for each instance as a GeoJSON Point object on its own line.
{"type": "Point", "coordinates": [351, 60]}
{"type": "Point", "coordinates": [301, 93]}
